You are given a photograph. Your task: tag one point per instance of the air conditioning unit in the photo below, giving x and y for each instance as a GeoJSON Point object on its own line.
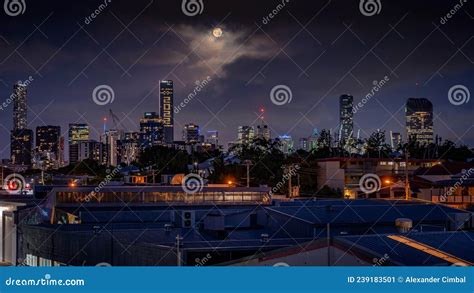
{"type": "Point", "coordinates": [188, 219]}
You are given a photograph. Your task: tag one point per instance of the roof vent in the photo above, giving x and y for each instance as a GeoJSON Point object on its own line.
{"type": "Point", "coordinates": [403, 225]}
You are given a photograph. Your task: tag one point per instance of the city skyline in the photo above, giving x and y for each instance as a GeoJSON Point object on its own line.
{"type": "Point", "coordinates": [314, 66]}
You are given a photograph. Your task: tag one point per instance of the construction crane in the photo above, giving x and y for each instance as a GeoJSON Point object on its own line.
{"type": "Point", "coordinates": [115, 120]}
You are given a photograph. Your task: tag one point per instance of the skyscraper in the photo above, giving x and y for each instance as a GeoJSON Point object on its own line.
{"type": "Point", "coordinates": [286, 144]}
{"type": "Point", "coordinates": [21, 139]}
{"type": "Point", "coordinates": [346, 118]}
{"type": "Point", "coordinates": [20, 109]}
{"type": "Point", "coordinates": [166, 109]}
{"type": "Point", "coordinates": [47, 145]}
{"type": "Point", "coordinates": [213, 137]}
{"type": "Point", "coordinates": [245, 135]}
{"type": "Point", "coordinates": [21, 146]}
{"type": "Point", "coordinates": [77, 134]}
{"type": "Point", "coordinates": [191, 133]}
{"type": "Point", "coordinates": [263, 132]}
{"type": "Point", "coordinates": [151, 130]}
{"type": "Point", "coordinates": [419, 115]}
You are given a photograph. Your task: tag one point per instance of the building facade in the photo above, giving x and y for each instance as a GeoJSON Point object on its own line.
{"type": "Point", "coordinates": [166, 110]}
{"type": "Point", "coordinates": [151, 130]}
{"type": "Point", "coordinates": [346, 118]}
{"type": "Point", "coordinates": [77, 133]}
{"type": "Point", "coordinates": [419, 121]}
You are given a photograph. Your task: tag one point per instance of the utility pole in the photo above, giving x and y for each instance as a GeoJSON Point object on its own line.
{"type": "Point", "coordinates": [178, 250]}
{"type": "Point", "coordinates": [248, 163]}
{"type": "Point", "coordinates": [407, 182]}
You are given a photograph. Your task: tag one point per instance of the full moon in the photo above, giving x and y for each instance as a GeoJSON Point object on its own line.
{"type": "Point", "coordinates": [217, 32]}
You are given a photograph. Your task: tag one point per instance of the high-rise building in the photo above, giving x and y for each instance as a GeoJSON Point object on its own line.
{"type": "Point", "coordinates": [151, 130]}
{"type": "Point", "coordinates": [304, 145]}
{"type": "Point", "coordinates": [263, 132]}
{"type": "Point", "coordinates": [286, 144]}
{"type": "Point", "coordinates": [213, 138]}
{"type": "Point", "coordinates": [346, 118]}
{"type": "Point", "coordinates": [245, 135]}
{"type": "Point", "coordinates": [130, 147]}
{"type": "Point", "coordinates": [419, 115]}
{"type": "Point", "coordinates": [395, 139]}
{"type": "Point", "coordinates": [21, 138]}
{"type": "Point", "coordinates": [91, 149]}
{"type": "Point", "coordinates": [112, 140]}
{"type": "Point", "coordinates": [191, 133]}
{"type": "Point", "coordinates": [47, 146]}
{"type": "Point", "coordinates": [21, 146]}
{"type": "Point", "coordinates": [166, 110]}
{"type": "Point", "coordinates": [20, 109]}
{"type": "Point", "coordinates": [47, 139]}
{"type": "Point", "coordinates": [77, 133]}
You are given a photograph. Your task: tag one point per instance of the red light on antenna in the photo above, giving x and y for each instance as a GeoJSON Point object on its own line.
{"type": "Point", "coordinates": [262, 110]}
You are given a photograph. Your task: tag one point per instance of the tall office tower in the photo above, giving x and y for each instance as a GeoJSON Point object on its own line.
{"type": "Point", "coordinates": [90, 149]}
{"type": "Point", "coordinates": [304, 144]}
{"type": "Point", "coordinates": [313, 140]}
{"type": "Point", "coordinates": [77, 134]}
{"type": "Point", "coordinates": [263, 132]}
{"type": "Point", "coordinates": [20, 109]}
{"type": "Point", "coordinates": [112, 140]}
{"type": "Point", "coordinates": [151, 130]}
{"type": "Point", "coordinates": [21, 139]}
{"type": "Point", "coordinates": [419, 115]}
{"type": "Point", "coordinates": [47, 146]}
{"type": "Point", "coordinates": [130, 147]}
{"type": "Point", "coordinates": [213, 137]}
{"type": "Point", "coordinates": [166, 110]}
{"type": "Point", "coordinates": [346, 118]}
{"type": "Point", "coordinates": [191, 133]}
{"type": "Point", "coordinates": [286, 144]}
{"type": "Point", "coordinates": [395, 139]}
{"type": "Point", "coordinates": [61, 159]}
{"type": "Point", "coordinates": [245, 135]}
{"type": "Point", "coordinates": [21, 146]}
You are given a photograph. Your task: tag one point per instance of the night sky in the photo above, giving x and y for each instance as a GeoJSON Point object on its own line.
{"type": "Point", "coordinates": [319, 49]}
